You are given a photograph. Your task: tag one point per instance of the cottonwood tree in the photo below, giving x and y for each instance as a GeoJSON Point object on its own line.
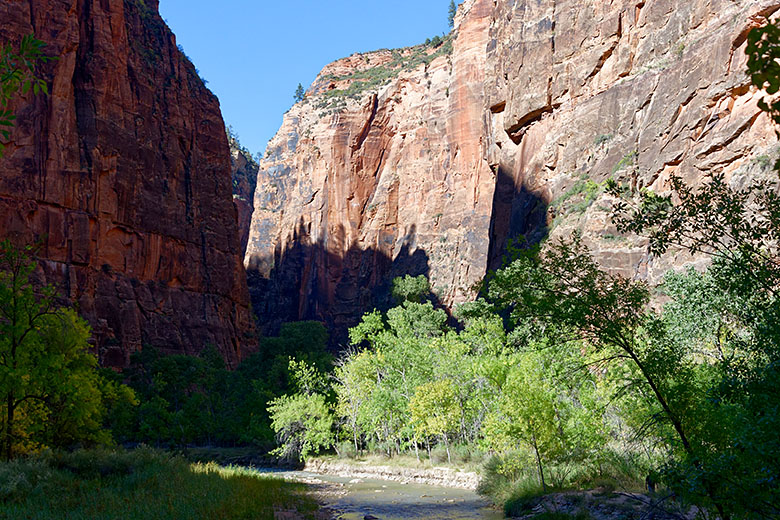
{"type": "Point", "coordinates": [303, 421]}
{"type": "Point", "coordinates": [435, 410]}
{"type": "Point", "coordinates": [48, 381]}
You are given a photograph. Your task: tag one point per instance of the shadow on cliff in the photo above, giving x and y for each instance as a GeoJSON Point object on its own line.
{"type": "Point", "coordinates": [306, 281]}
{"type": "Point", "coordinates": [519, 215]}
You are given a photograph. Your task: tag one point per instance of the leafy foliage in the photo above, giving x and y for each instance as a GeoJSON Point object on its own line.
{"type": "Point", "coordinates": [51, 392]}
{"type": "Point", "coordinates": [18, 75]}
{"type": "Point", "coordinates": [728, 317]}
{"type": "Point", "coordinates": [196, 399]}
{"type": "Point", "coordinates": [411, 288]}
{"type": "Point", "coordinates": [763, 50]}
{"type": "Point", "coordinates": [303, 421]}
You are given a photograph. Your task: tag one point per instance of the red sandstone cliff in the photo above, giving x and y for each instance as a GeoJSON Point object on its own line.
{"type": "Point", "coordinates": [380, 171]}
{"type": "Point", "coordinates": [124, 173]}
{"type": "Point", "coordinates": [584, 91]}
{"type": "Point", "coordinates": [394, 164]}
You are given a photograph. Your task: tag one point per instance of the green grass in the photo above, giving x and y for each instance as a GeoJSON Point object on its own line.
{"type": "Point", "coordinates": [628, 160]}
{"type": "Point", "coordinates": [512, 482]}
{"type": "Point", "coordinates": [579, 197]}
{"type": "Point", "coordinates": [138, 485]}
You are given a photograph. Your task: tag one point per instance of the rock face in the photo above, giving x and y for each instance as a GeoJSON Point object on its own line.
{"type": "Point", "coordinates": [429, 160]}
{"type": "Point", "coordinates": [636, 91]}
{"type": "Point", "coordinates": [379, 172]}
{"type": "Point", "coordinates": [243, 171]}
{"type": "Point", "coordinates": [123, 174]}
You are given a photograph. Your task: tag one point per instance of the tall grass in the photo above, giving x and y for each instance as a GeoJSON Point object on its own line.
{"type": "Point", "coordinates": [512, 481]}
{"type": "Point", "coordinates": [140, 484]}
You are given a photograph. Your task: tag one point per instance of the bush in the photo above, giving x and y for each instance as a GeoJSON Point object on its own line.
{"type": "Point", "coordinates": [439, 454]}
{"type": "Point", "coordinates": [346, 450]}
{"type": "Point", "coordinates": [525, 496]}
{"type": "Point", "coordinates": [464, 454]}
{"type": "Point", "coordinates": [19, 477]}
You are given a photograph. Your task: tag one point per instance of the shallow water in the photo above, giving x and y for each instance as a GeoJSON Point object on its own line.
{"type": "Point", "coordinates": [389, 500]}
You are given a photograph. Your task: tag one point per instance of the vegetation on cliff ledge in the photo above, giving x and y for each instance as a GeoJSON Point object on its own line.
{"type": "Point", "coordinates": [373, 78]}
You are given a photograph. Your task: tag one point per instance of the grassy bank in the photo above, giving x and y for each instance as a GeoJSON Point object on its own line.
{"type": "Point", "coordinates": [512, 483]}
{"type": "Point", "coordinates": [140, 484]}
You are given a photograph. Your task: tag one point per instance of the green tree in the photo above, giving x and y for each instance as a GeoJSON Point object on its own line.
{"type": "Point", "coordinates": [411, 288]}
{"type": "Point", "coordinates": [47, 375]}
{"type": "Point", "coordinates": [303, 422]}
{"type": "Point", "coordinates": [435, 410]}
{"type": "Point", "coordinates": [562, 286]}
{"type": "Point", "coordinates": [303, 425]}
{"type": "Point", "coordinates": [18, 74]}
{"type": "Point", "coordinates": [299, 93]}
{"type": "Point", "coordinates": [735, 322]}
{"type": "Point", "coordinates": [355, 381]}
{"type": "Point", "coordinates": [763, 51]}
{"type": "Point", "coordinates": [453, 10]}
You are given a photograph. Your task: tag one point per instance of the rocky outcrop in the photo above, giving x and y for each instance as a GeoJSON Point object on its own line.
{"type": "Point", "coordinates": [243, 171]}
{"type": "Point", "coordinates": [123, 174]}
{"type": "Point", "coordinates": [629, 90]}
{"type": "Point", "coordinates": [379, 172]}
{"type": "Point", "coordinates": [429, 160]}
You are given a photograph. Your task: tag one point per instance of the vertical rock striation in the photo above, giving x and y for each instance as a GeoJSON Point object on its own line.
{"type": "Point", "coordinates": [429, 160]}
{"type": "Point", "coordinates": [380, 171]}
{"type": "Point", "coordinates": [636, 91]}
{"type": "Point", "coordinates": [123, 174]}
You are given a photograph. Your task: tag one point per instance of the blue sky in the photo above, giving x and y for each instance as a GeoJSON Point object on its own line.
{"type": "Point", "coordinates": [255, 52]}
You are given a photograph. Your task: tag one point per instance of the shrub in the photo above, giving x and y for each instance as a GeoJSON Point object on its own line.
{"type": "Point", "coordinates": [346, 450]}
{"type": "Point", "coordinates": [439, 454]}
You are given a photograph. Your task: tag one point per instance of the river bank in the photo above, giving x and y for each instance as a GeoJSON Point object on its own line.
{"type": "Point", "coordinates": [354, 490]}
{"type": "Point", "coordinates": [354, 498]}
{"type": "Point", "coordinates": [435, 476]}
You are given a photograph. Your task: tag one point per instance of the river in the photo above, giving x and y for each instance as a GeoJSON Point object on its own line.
{"type": "Point", "coordinates": [353, 499]}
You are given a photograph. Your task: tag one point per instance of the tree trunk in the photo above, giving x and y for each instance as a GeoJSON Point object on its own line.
{"type": "Point", "coordinates": [447, 447]}
{"type": "Point", "coordinates": [539, 464]}
{"type": "Point", "coordinates": [677, 424]}
{"type": "Point", "coordinates": [9, 422]}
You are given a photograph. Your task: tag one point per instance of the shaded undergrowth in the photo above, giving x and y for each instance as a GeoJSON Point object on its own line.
{"type": "Point", "coordinates": [140, 484]}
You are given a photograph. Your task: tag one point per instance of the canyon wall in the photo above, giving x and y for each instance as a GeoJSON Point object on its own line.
{"type": "Point", "coordinates": [428, 160]}
{"type": "Point", "coordinates": [122, 173]}
{"type": "Point", "coordinates": [379, 172]}
{"type": "Point", "coordinates": [243, 172]}
{"type": "Point", "coordinates": [636, 91]}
